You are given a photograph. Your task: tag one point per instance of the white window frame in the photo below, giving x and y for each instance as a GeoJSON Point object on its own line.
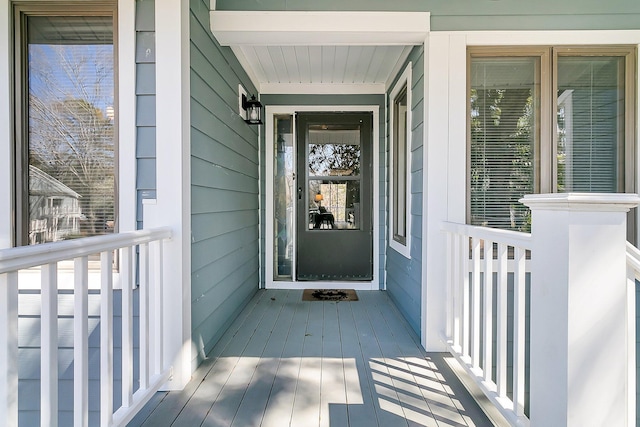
{"type": "Point", "coordinates": [403, 80]}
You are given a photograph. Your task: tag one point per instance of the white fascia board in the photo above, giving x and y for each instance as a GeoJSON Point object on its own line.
{"type": "Point", "coordinates": [291, 28]}
{"type": "Point", "coordinates": [398, 67]}
{"type": "Point", "coordinates": [321, 88]}
{"type": "Point", "coordinates": [246, 66]}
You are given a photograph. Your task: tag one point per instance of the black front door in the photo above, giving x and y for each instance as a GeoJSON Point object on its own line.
{"type": "Point", "coordinates": [335, 197]}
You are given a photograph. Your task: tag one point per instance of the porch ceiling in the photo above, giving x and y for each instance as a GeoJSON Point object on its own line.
{"type": "Point", "coordinates": [320, 52]}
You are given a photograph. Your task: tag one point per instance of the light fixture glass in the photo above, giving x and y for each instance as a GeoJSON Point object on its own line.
{"type": "Point", "coordinates": [253, 109]}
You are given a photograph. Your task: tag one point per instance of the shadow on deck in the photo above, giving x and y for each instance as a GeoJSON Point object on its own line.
{"type": "Point", "coordinates": [285, 362]}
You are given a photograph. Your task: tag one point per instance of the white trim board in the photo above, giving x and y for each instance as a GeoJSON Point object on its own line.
{"type": "Point", "coordinates": [270, 111]}
{"type": "Point", "coordinates": [315, 28]}
{"type": "Point", "coordinates": [6, 128]}
{"type": "Point", "coordinates": [405, 80]}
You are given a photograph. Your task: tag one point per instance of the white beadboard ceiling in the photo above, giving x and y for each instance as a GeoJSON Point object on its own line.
{"type": "Point", "coordinates": [320, 52]}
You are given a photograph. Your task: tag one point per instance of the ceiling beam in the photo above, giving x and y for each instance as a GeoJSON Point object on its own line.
{"type": "Point", "coordinates": [295, 28]}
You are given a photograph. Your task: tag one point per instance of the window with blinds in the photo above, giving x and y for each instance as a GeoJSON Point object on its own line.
{"type": "Point", "coordinates": [503, 123]}
{"type": "Point", "coordinates": [590, 114]}
{"type": "Point", "coordinates": [584, 94]}
{"type": "Point", "coordinates": [68, 139]}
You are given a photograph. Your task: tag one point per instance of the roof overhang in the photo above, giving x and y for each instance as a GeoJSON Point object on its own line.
{"type": "Point", "coordinates": [266, 42]}
{"type": "Point", "coordinates": [293, 28]}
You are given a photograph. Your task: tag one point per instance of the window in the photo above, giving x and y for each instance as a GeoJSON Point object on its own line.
{"type": "Point", "coordinates": [547, 120]}
{"type": "Point", "coordinates": [399, 161]}
{"type": "Point", "coordinates": [66, 151]}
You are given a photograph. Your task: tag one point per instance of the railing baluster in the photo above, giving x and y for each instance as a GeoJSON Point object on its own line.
{"type": "Point", "coordinates": [81, 342]}
{"type": "Point", "coordinates": [475, 301]}
{"type": "Point", "coordinates": [501, 319]}
{"type": "Point", "coordinates": [519, 332]}
{"type": "Point", "coordinates": [158, 284]}
{"type": "Point", "coordinates": [487, 364]}
{"type": "Point", "coordinates": [127, 326]}
{"type": "Point", "coordinates": [49, 346]}
{"type": "Point", "coordinates": [457, 289]}
{"type": "Point", "coordinates": [144, 315]}
{"type": "Point", "coordinates": [9, 348]}
{"type": "Point", "coordinates": [106, 339]}
{"type": "Point", "coordinates": [449, 286]}
{"type": "Point", "coordinates": [466, 299]}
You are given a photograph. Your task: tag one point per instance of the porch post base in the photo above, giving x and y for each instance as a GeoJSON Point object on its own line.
{"type": "Point", "coordinates": [578, 309]}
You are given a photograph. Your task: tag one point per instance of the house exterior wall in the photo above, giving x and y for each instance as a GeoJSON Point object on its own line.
{"type": "Point", "coordinates": [333, 100]}
{"type": "Point", "coordinates": [471, 15]}
{"type": "Point", "coordinates": [145, 105]}
{"type": "Point", "coordinates": [224, 187]}
{"type": "Point", "coordinates": [404, 275]}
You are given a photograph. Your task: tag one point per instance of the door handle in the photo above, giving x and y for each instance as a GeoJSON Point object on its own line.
{"type": "Point", "coordinates": [299, 193]}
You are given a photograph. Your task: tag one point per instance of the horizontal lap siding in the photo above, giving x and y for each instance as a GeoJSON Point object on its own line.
{"type": "Point", "coordinates": [404, 275]}
{"type": "Point", "coordinates": [447, 15]}
{"type": "Point", "coordinates": [224, 187]}
{"type": "Point", "coordinates": [145, 105]}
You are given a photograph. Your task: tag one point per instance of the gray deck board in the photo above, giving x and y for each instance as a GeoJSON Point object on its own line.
{"type": "Point", "coordinates": [285, 362]}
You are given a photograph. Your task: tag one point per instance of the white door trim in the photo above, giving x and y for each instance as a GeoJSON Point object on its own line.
{"type": "Point", "coordinates": [270, 111]}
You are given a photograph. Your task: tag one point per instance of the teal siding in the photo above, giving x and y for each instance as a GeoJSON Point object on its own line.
{"type": "Point", "coordinates": [447, 15]}
{"type": "Point", "coordinates": [224, 187]}
{"type": "Point", "coordinates": [145, 104]}
{"type": "Point", "coordinates": [404, 275]}
{"type": "Point", "coordinates": [346, 100]}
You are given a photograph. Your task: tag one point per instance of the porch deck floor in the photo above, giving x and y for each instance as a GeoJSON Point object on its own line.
{"type": "Point", "coordinates": [285, 362]}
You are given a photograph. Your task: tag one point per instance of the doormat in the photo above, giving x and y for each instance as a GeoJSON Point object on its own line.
{"type": "Point", "coordinates": [329, 295]}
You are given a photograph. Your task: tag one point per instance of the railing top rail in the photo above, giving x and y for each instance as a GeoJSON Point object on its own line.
{"type": "Point", "coordinates": [508, 237]}
{"type": "Point", "coordinates": [633, 257]}
{"type": "Point", "coordinates": [22, 257]}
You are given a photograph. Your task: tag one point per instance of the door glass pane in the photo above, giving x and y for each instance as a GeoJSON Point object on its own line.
{"type": "Point", "coordinates": [283, 197]}
{"type": "Point", "coordinates": [590, 124]}
{"type": "Point", "coordinates": [503, 117]}
{"type": "Point", "coordinates": [334, 150]}
{"type": "Point", "coordinates": [71, 138]}
{"type": "Point", "coordinates": [334, 205]}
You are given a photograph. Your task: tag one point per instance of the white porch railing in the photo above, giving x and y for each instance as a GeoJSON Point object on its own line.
{"type": "Point", "coordinates": [17, 265]}
{"type": "Point", "coordinates": [474, 254]}
{"type": "Point", "coordinates": [581, 305]}
{"type": "Point", "coordinates": [633, 276]}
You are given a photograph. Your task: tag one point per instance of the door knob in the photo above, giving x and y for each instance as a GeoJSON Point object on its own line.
{"type": "Point", "coordinates": [299, 193]}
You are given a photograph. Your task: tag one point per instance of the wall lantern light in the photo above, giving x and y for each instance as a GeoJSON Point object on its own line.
{"type": "Point", "coordinates": [253, 109]}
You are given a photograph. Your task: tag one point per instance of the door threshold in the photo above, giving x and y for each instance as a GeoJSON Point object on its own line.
{"type": "Point", "coordinates": [358, 286]}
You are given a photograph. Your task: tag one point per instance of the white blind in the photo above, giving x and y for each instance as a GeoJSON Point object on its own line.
{"type": "Point", "coordinates": [590, 124]}
{"type": "Point", "coordinates": [503, 122]}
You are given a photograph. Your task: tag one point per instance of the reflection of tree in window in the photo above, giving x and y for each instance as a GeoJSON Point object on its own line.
{"type": "Point", "coordinates": [71, 126]}
{"type": "Point", "coordinates": [334, 159]}
{"type": "Point", "coordinates": [501, 156]}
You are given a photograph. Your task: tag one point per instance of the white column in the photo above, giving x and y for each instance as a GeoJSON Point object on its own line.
{"type": "Point", "coordinates": [444, 161]}
{"type": "Point", "coordinates": [173, 155]}
{"type": "Point", "coordinates": [578, 310]}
